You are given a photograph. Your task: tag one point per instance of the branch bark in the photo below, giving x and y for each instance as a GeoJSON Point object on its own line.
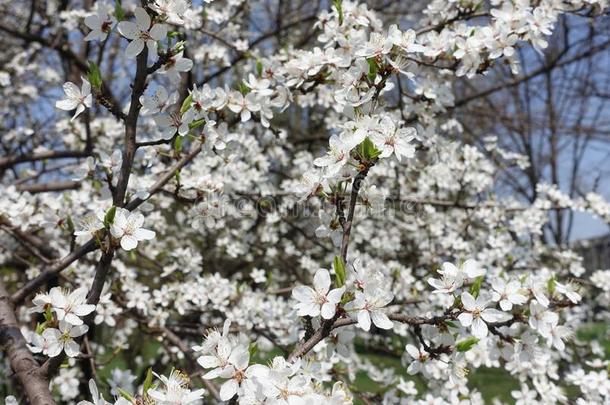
{"type": "Point", "coordinates": [23, 364]}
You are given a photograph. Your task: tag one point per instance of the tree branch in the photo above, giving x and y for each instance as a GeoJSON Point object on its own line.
{"type": "Point", "coordinates": [22, 362]}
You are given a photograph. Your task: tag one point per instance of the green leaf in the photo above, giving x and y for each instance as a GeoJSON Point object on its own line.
{"type": "Point", "coordinates": [148, 381]}
{"type": "Point", "coordinates": [109, 217]}
{"type": "Point", "coordinates": [125, 394]}
{"type": "Point", "coordinates": [94, 76]}
{"type": "Point", "coordinates": [253, 349]}
{"type": "Point", "coordinates": [367, 150]}
{"type": "Point", "coordinates": [259, 68]}
{"type": "Point", "coordinates": [373, 69]}
{"type": "Point", "coordinates": [339, 267]}
{"type": "Point", "coordinates": [451, 324]}
{"type": "Point", "coordinates": [243, 88]}
{"type": "Point", "coordinates": [40, 327]}
{"type": "Point", "coordinates": [178, 144]}
{"type": "Point", "coordinates": [466, 344]}
{"type": "Point", "coordinates": [179, 47]}
{"type": "Point", "coordinates": [186, 104]}
{"type": "Point", "coordinates": [48, 314]}
{"type": "Point", "coordinates": [70, 224]}
{"type": "Point", "coordinates": [550, 285]}
{"type": "Point", "coordinates": [197, 123]}
{"type": "Point", "coordinates": [476, 286]}
{"type": "Point", "coordinates": [119, 13]}
{"type": "Point", "coordinates": [339, 6]}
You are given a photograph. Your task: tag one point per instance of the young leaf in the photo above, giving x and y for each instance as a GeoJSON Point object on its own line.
{"type": "Point", "coordinates": [94, 76]}
{"type": "Point", "coordinates": [466, 344]}
{"type": "Point", "coordinates": [109, 217]}
{"type": "Point", "coordinates": [197, 123]}
{"type": "Point", "coordinates": [476, 286]}
{"type": "Point", "coordinates": [48, 315]}
{"type": "Point", "coordinates": [451, 324]}
{"type": "Point", "coordinates": [253, 349]}
{"type": "Point", "coordinates": [367, 150]}
{"type": "Point", "coordinates": [119, 13]}
{"type": "Point", "coordinates": [148, 381]}
{"type": "Point", "coordinates": [125, 394]}
{"type": "Point", "coordinates": [339, 6]}
{"type": "Point", "coordinates": [178, 144]}
{"type": "Point", "coordinates": [40, 327]}
{"type": "Point", "coordinates": [70, 224]}
{"type": "Point", "coordinates": [373, 69]}
{"type": "Point", "coordinates": [339, 267]}
{"type": "Point", "coordinates": [243, 88]}
{"type": "Point", "coordinates": [550, 285]}
{"type": "Point", "coordinates": [186, 104]}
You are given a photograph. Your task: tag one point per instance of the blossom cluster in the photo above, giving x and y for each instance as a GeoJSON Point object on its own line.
{"type": "Point", "coordinates": [254, 182]}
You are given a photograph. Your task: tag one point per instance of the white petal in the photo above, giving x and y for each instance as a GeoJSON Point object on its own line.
{"type": "Point", "coordinates": [73, 319]}
{"type": "Point", "coordinates": [412, 350]}
{"type": "Point", "coordinates": [71, 348]}
{"type": "Point", "coordinates": [381, 320]}
{"type": "Point", "coordinates": [364, 320]}
{"type": "Point", "coordinates": [71, 90]}
{"type": "Point", "coordinates": [328, 310]}
{"type": "Point", "coordinates": [468, 301]}
{"type": "Point", "coordinates": [321, 281]}
{"type": "Point", "coordinates": [208, 361]}
{"type": "Point", "coordinates": [128, 242]}
{"type": "Point", "coordinates": [134, 48]}
{"type": "Point", "coordinates": [240, 357]}
{"type": "Point", "coordinates": [303, 293]}
{"type": "Point", "coordinates": [479, 328]}
{"type": "Point", "coordinates": [79, 330]}
{"type": "Point", "coordinates": [83, 310]}
{"type": "Point", "coordinates": [414, 368]}
{"type": "Point", "coordinates": [183, 65]}
{"type": "Point", "coordinates": [144, 234]}
{"type": "Point", "coordinates": [465, 319]}
{"type": "Point", "coordinates": [228, 389]}
{"type": "Point", "coordinates": [128, 29]}
{"type": "Point", "coordinates": [158, 32]}
{"type": "Point", "coordinates": [142, 19]}
{"type": "Point", "coordinates": [308, 309]}
{"type": "Point", "coordinates": [54, 348]}
{"type": "Point", "coordinates": [335, 295]}
{"type": "Point", "coordinates": [93, 22]}
{"type": "Point", "coordinates": [67, 104]}
{"type": "Point", "coordinates": [493, 315]}
{"type": "Point", "coordinates": [79, 109]}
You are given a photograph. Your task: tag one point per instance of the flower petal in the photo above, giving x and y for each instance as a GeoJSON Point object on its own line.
{"type": "Point", "coordinates": [134, 48]}
{"type": "Point", "coordinates": [128, 242]}
{"type": "Point", "coordinates": [128, 29]}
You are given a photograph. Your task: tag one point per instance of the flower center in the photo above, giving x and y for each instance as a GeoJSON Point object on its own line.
{"type": "Point", "coordinates": [106, 26]}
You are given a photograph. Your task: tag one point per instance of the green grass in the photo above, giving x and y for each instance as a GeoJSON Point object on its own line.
{"type": "Point", "coordinates": [492, 383]}
{"type": "Point", "coordinates": [596, 331]}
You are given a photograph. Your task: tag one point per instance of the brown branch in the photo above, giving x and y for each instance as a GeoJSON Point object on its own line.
{"type": "Point", "coordinates": [9, 161]}
{"type": "Point", "coordinates": [188, 352]}
{"type": "Point", "coordinates": [347, 225]}
{"type": "Point", "coordinates": [311, 339]}
{"type": "Point", "coordinates": [23, 364]}
{"type": "Point", "coordinates": [49, 187]}
{"type": "Point", "coordinates": [131, 122]}
{"type": "Point", "coordinates": [93, 297]}
{"type": "Point", "coordinates": [34, 284]}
